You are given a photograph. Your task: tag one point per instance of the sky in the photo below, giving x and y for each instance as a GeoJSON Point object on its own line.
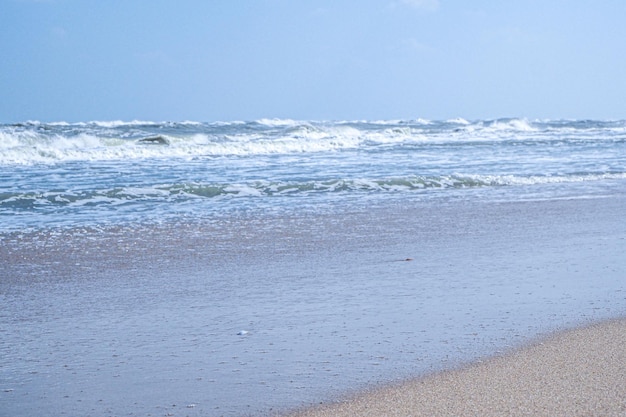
{"type": "Point", "coordinates": [226, 60]}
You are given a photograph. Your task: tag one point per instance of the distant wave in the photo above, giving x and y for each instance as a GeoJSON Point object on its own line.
{"type": "Point", "coordinates": [35, 143]}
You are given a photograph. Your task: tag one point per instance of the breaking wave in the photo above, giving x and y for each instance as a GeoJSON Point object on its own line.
{"type": "Point", "coordinates": [188, 191]}
{"type": "Point", "coordinates": [37, 143]}
{"type": "Point", "coordinates": [72, 173]}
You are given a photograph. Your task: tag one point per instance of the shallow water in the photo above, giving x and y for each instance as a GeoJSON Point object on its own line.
{"type": "Point", "coordinates": [148, 320]}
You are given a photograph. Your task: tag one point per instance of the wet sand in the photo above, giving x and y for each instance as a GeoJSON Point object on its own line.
{"type": "Point", "coordinates": [581, 372]}
{"type": "Point", "coordinates": [263, 314]}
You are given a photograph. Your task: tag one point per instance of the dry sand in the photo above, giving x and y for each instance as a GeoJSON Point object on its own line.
{"type": "Point", "coordinates": [580, 372]}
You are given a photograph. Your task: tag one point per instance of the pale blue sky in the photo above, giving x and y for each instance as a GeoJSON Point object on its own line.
{"type": "Point", "coordinates": [209, 60]}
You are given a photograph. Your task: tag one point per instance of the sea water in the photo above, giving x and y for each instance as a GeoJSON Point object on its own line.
{"type": "Point", "coordinates": [62, 174]}
{"type": "Point", "coordinates": [252, 267]}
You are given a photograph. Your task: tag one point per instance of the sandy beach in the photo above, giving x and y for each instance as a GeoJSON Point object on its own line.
{"type": "Point", "coordinates": [580, 372]}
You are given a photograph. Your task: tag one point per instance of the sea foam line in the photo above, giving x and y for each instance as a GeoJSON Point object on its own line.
{"type": "Point", "coordinates": [179, 192]}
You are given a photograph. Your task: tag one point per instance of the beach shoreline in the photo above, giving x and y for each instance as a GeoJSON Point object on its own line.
{"type": "Point", "coordinates": [573, 372]}
{"type": "Point", "coordinates": [259, 315]}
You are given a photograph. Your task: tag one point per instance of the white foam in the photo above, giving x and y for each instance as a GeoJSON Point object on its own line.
{"type": "Point", "coordinates": [116, 140]}
{"type": "Point", "coordinates": [278, 122]}
{"type": "Point", "coordinates": [458, 120]}
{"type": "Point", "coordinates": [512, 124]}
{"type": "Point", "coordinates": [543, 179]}
{"type": "Point", "coordinates": [242, 190]}
{"type": "Point", "coordinates": [120, 123]}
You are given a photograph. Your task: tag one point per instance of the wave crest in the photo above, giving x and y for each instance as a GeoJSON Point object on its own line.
{"type": "Point", "coordinates": [186, 191]}
{"type": "Point", "coordinates": [35, 142]}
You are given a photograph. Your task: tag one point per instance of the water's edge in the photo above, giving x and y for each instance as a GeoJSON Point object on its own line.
{"type": "Point", "coordinates": [247, 315]}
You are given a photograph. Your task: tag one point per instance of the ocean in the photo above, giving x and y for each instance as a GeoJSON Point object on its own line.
{"type": "Point", "coordinates": [107, 173]}
{"type": "Point", "coordinates": [250, 268]}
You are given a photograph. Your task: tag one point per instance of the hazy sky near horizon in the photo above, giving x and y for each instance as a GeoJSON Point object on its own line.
{"type": "Point", "coordinates": [210, 60]}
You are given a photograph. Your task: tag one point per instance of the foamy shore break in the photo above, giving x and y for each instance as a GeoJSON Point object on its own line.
{"type": "Point", "coordinates": [580, 372]}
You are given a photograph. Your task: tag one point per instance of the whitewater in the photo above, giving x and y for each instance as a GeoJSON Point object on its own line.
{"type": "Point", "coordinates": [68, 174]}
